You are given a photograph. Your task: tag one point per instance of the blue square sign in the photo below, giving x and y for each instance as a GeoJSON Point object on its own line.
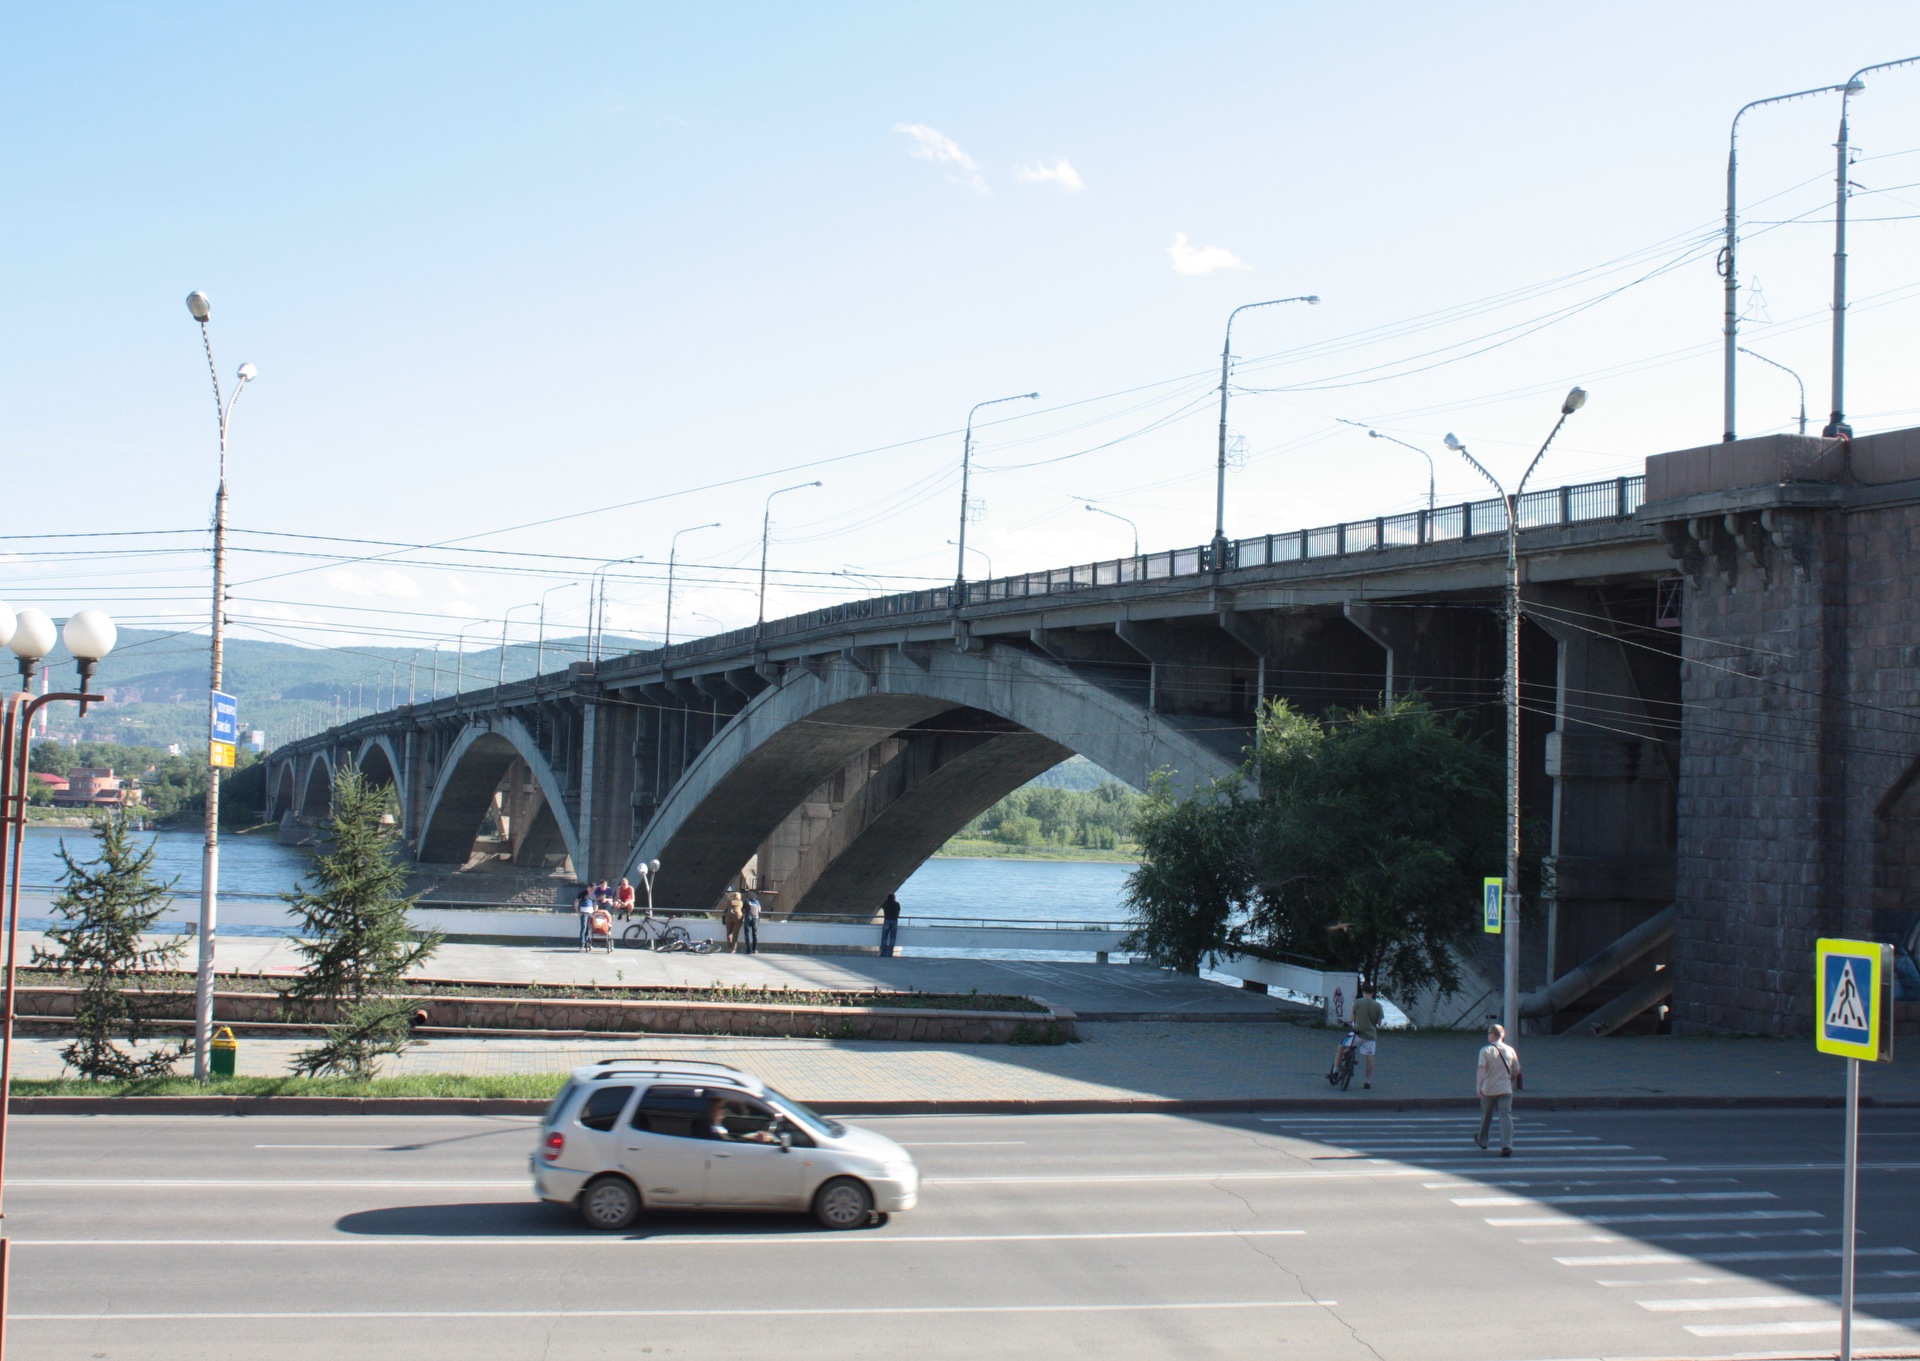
{"type": "Point", "coordinates": [1854, 999]}
{"type": "Point", "coordinates": [226, 718]}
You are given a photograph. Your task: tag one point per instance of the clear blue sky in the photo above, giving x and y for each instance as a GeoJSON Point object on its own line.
{"type": "Point", "coordinates": [498, 264]}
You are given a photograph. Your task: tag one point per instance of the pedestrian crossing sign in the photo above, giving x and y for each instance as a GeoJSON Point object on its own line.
{"type": "Point", "coordinates": [1492, 892]}
{"type": "Point", "coordinates": [1855, 999]}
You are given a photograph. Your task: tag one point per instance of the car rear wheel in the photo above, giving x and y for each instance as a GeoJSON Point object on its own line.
{"type": "Point", "coordinates": [610, 1203]}
{"type": "Point", "coordinates": [843, 1203]}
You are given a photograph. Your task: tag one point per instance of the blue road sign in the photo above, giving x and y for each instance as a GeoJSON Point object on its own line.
{"type": "Point", "coordinates": [1855, 1002]}
{"type": "Point", "coordinates": [226, 718]}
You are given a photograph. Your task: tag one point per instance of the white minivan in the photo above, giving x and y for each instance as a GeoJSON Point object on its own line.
{"type": "Point", "coordinates": [627, 1134]}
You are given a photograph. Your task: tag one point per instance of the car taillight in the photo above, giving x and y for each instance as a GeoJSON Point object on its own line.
{"type": "Point", "coordinates": [556, 1144]}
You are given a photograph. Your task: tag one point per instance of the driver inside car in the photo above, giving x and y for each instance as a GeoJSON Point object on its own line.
{"type": "Point", "coordinates": [756, 1131]}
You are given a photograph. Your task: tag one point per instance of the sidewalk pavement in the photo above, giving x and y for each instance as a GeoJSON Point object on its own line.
{"type": "Point", "coordinates": [1151, 1063]}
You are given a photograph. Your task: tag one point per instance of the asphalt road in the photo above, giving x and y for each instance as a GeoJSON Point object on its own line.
{"type": "Point", "coordinates": [1674, 1234]}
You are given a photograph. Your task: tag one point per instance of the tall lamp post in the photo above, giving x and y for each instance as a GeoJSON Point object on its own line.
{"type": "Point", "coordinates": [1837, 423]}
{"type": "Point", "coordinates": [201, 309]}
{"type": "Point", "coordinates": [673, 554]}
{"type": "Point", "coordinates": [597, 591]}
{"type": "Point", "coordinates": [1217, 550]}
{"type": "Point", "coordinates": [1116, 515]}
{"type": "Point", "coordinates": [1791, 374]}
{"type": "Point", "coordinates": [89, 635]}
{"type": "Point", "coordinates": [1375, 434]}
{"type": "Point", "coordinates": [1730, 326]}
{"type": "Point", "coordinates": [766, 537]}
{"type": "Point", "coordinates": [966, 475]}
{"type": "Point", "coordinates": [459, 660]}
{"type": "Point", "coordinates": [502, 678]}
{"type": "Point", "coordinates": [1510, 916]}
{"type": "Point", "coordinates": [540, 648]}
{"type": "Point", "coordinates": [984, 557]}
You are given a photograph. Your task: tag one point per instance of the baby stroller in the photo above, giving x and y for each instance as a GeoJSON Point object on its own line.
{"type": "Point", "coordinates": [600, 930]}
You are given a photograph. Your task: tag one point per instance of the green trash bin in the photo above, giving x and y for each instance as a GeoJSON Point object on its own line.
{"type": "Point", "coordinates": [223, 1052]}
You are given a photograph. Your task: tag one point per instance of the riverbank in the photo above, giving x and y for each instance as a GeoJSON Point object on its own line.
{"type": "Point", "coordinates": [959, 849]}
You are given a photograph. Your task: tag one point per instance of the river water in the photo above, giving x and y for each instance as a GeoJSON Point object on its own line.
{"type": "Point", "coordinates": [259, 868]}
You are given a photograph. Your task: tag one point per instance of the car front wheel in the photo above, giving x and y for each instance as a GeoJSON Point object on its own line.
{"type": "Point", "coordinates": [843, 1203]}
{"type": "Point", "coordinates": [611, 1204]}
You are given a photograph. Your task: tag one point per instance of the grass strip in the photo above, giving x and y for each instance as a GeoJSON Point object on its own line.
{"type": "Point", "coordinates": [538, 1086]}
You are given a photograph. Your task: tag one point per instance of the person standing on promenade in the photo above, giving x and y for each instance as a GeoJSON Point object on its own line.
{"type": "Point", "coordinates": [889, 925]}
{"type": "Point", "coordinates": [1495, 1080]}
{"type": "Point", "coordinates": [750, 923]}
{"type": "Point", "coordinates": [1368, 1016]}
{"type": "Point", "coordinates": [730, 917]}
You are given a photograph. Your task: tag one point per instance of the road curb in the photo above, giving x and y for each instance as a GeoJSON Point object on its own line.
{"type": "Point", "coordinates": [466, 1105]}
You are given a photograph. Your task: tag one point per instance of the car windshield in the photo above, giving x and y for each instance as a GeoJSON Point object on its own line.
{"type": "Point", "coordinates": [814, 1124]}
{"type": "Point", "coordinates": [553, 1111]}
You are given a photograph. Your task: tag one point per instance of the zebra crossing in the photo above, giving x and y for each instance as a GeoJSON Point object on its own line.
{"type": "Point", "coordinates": [1690, 1244]}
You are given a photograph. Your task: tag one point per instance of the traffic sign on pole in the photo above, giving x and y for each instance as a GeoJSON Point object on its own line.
{"type": "Point", "coordinates": [225, 731]}
{"type": "Point", "coordinates": [1853, 1018]}
{"type": "Point", "coordinates": [1492, 903]}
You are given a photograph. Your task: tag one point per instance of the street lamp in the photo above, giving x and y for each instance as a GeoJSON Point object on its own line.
{"type": "Point", "coordinates": [1102, 510]}
{"type": "Point", "coordinates": [90, 636]}
{"type": "Point", "coordinates": [1730, 327]}
{"type": "Point", "coordinates": [966, 473]}
{"type": "Point", "coordinates": [1791, 374]}
{"type": "Point", "coordinates": [955, 543]}
{"type": "Point", "coordinates": [200, 309]}
{"type": "Point", "coordinates": [673, 554]}
{"type": "Point", "coordinates": [502, 679]}
{"type": "Point", "coordinates": [1218, 549]}
{"type": "Point", "coordinates": [597, 617]}
{"type": "Point", "coordinates": [1510, 923]}
{"type": "Point", "coordinates": [460, 659]}
{"type": "Point", "coordinates": [1375, 434]}
{"type": "Point", "coordinates": [766, 535]}
{"type": "Point", "coordinates": [540, 648]}
{"type": "Point", "coordinates": [1837, 426]}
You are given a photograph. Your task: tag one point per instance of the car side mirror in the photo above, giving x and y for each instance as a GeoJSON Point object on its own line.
{"type": "Point", "coordinates": [786, 1142]}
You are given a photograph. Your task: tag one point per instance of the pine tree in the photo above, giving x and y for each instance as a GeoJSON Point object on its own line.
{"type": "Point", "coordinates": [104, 909]}
{"type": "Point", "coordinates": [356, 937]}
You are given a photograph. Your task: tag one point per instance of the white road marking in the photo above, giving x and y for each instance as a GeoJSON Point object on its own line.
{"type": "Point", "coordinates": [963, 1143]}
{"type": "Point", "coordinates": [1723, 1302]}
{"type": "Point", "coordinates": [1798, 1328]}
{"type": "Point", "coordinates": [374, 1148]}
{"type": "Point", "coordinates": [1729, 1280]}
{"type": "Point", "coordinates": [1514, 1223]}
{"type": "Point", "coordinates": [728, 1311]}
{"type": "Point", "coordinates": [1582, 1238]}
{"type": "Point", "coordinates": [663, 1240]}
{"type": "Point", "coordinates": [249, 1183]}
{"type": "Point", "coordinates": [1658, 1197]}
{"type": "Point", "coordinates": [1459, 1183]}
{"type": "Point", "coordinates": [1774, 1255]}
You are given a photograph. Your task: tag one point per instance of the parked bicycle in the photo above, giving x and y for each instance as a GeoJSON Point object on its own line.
{"type": "Point", "coordinates": [657, 933]}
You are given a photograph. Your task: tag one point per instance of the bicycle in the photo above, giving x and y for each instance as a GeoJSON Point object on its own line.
{"type": "Point", "coordinates": [658, 934]}
{"type": "Point", "coordinates": [1342, 1074]}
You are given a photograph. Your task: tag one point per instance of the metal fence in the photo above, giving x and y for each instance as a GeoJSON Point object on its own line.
{"type": "Point", "coordinates": [1614, 499]}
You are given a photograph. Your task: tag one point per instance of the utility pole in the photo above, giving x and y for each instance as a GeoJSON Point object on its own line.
{"type": "Point", "coordinates": [966, 471]}
{"type": "Point", "coordinates": [1218, 549]}
{"type": "Point", "coordinates": [201, 309]}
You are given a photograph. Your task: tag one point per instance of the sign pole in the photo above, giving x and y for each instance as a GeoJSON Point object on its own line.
{"type": "Point", "coordinates": [1849, 1208]}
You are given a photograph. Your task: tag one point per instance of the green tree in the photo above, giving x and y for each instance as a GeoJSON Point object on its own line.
{"type": "Point", "coordinates": [102, 914]}
{"type": "Point", "coordinates": [356, 938]}
{"type": "Point", "coordinates": [39, 792]}
{"type": "Point", "coordinates": [1195, 876]}
{"type": "Point", "coordinates": [1358, 841]}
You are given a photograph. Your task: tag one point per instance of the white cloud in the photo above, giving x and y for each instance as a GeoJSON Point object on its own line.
{"type": "Point", "coordinates": [930, 144]}
{"type": "Point", "coordinates": [1061, 172]}
{"type": "Point", "coordinates": [382, 583]}
{"type": "Point", "coordinates": [1189, 259]}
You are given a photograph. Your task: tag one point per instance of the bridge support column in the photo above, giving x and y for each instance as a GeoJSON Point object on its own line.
{"type": "Point", "coordinates": [606, 789]}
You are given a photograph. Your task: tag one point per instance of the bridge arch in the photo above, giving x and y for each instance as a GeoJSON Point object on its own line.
{"type": "Point", "coordinates": [316, 791]}
{"type": "Point", "coordinates": [283, 789]}
{"type": "Point", "coordinates": [474, 766]}
{"type": "Point", "coordinates": [380, 763]}
{"type": "Point", "coordinates": [793, 736]}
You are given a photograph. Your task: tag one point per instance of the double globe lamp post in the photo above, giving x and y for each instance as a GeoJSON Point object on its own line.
{"type": "Point", "coordinates": [89, 636]}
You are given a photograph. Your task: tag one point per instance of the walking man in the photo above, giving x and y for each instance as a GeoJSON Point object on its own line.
{"type": "Point", "coordinates": [1368, 1015]}
{"type": "Point", "coordinates": [731, 917]}
{"type": "Point", "coordinates": [1496, 1080]}
{"type": "Point", "coordinates": [750, 925]}
{"type": "Point", "coordinates": [889, 925]}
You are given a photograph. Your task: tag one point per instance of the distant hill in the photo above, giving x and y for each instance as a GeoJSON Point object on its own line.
{"type": "Point", "coordinates": [1076, 772]}
{"type": "Point", "coordinates": [157, 683]}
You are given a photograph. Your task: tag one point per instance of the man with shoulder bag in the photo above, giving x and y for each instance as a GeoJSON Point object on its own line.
{"type": "Point", "coordinates": [1496, 1079]}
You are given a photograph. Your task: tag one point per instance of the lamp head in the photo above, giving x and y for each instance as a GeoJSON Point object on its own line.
{"type": "Point", "coordinates": [1313, 299]}
{"type": "Point", "coordinates": [33, 635]}
{"type": "Point", "coordinates": [90, 635]}
{"type": "Point", "coordinates": [1373, 434]}
{"type": "Point", "coordinates": [1031, 396]}
{"type": "Point", "coordinates": [1575, 400]}
{"type": "Point", "coordinates": [1453, 443]}
{"type": "Point", "coordinates": [1853, 87]}
{"type": "Point", "coordinates": [247, 372]}
{"type": "Point", "coordinates": [198, 305]}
